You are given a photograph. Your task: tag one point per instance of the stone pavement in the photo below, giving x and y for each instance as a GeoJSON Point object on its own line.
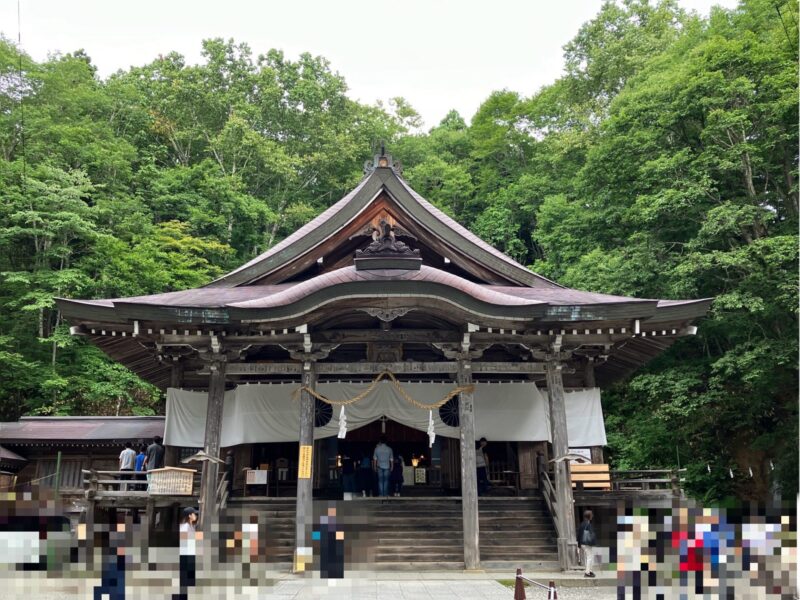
{"type": "Point", "coordinates": [357, 586]}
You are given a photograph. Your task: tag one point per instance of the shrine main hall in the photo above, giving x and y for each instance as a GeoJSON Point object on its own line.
{"type": "Point", "coordinates": [384, 316]}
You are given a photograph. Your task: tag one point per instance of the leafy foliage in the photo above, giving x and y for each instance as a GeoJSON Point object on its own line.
{"type": "Point", "coordinates": [662, 164]}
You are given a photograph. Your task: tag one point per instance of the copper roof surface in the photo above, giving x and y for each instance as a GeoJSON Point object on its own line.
{"type": "Point", "coordinates": [351, 275]}
{"type": "Point", "coordinates": [273, 295]}
{"type": "Point", "coordinates": [94, 429]}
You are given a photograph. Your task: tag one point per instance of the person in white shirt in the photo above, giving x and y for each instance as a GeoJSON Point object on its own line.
{"type": "Point", "coordinates": [127, 460]}
{"type": "Point", "coordinates": [188, 552]}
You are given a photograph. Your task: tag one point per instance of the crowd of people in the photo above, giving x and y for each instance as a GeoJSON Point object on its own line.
{"type": "Point", "coordinates": [381, 474]}
{"type": "Point", "coordinates": [136, 464]}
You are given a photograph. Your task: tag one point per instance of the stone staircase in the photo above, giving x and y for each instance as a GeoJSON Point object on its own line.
{"type": "Point", "coordinates": [275, 518]}
{"type": "Point", "coordinates": [418, 533]}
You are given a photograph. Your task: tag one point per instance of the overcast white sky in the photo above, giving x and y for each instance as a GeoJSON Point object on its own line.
{"type": "Point", "coordinates": [438, 54]}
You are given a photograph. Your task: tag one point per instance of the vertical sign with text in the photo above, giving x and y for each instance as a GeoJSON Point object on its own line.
{"type": "Point", "coordinates": [304, 464]}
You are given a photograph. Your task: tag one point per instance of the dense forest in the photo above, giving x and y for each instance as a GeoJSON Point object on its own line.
{"type": "Point", "coordinates": [662, 164]}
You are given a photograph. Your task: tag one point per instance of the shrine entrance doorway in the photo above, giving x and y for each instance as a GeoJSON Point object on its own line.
{"type": "Point", "coordinates": [422, 462]}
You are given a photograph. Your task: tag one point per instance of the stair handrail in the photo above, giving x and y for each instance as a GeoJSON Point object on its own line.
{"type": "Point", "coordinates": [548, 492]}
{"type": "Point", "coordinates": [550, 500]}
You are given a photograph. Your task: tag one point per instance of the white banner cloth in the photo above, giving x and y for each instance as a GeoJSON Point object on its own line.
{"type": "Point", "coordinates": [269, 413]}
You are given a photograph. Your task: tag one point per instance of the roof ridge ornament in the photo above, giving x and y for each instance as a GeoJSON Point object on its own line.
{"type": "Point", "coordinates": [387, 252]}
{"type": "Point", "coordinates": [382, 160]}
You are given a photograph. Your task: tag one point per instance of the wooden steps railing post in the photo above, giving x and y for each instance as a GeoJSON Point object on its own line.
{"type": "Point", "coordinates": [675, 483]}
{"type": "Point", "coordinates": [208, 482]}
{"type": "Point", "coordinates": [303, 510]}
{"type": "Point", "coordinates": [469, 479]}
{"type": "Point", "coordinates": [563, 487]}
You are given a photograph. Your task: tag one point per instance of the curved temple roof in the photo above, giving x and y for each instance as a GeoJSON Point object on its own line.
{"type": "Point", "coordinates": [461, 279]}
{"type": "Point", "coordinates": [274, 302]}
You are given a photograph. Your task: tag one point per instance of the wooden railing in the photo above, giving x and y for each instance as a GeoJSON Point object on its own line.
{"type": "Point", "coordinates": [548, 491]}
{"type": "Point", "coordinates": [600, 479]}
{"type": "Point", "coordinates": [648, 480]}
{"type": "Point", "coordinates": [110, 484]}
{"type": "Point", "coordinates": [502, 475]}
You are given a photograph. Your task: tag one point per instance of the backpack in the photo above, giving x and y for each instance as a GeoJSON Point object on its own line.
{"type": "Point", "coordinates": [587, 537]}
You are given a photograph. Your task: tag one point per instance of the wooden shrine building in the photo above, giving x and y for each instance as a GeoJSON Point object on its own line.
{"type": "Point", "coordinates": [381, 283]}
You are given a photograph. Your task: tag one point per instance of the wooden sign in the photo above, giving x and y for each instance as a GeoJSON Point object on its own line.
{"type": "Point", "coordinates": [256, 477]}
{"type": "Point", "coordinates": [304, 465]}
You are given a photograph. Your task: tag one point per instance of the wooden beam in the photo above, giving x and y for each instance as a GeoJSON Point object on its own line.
{"type": "Point", "coordinates": [211, 445]}
{"type": "Point", "coordinates": [305, 481]}
{"type": "Point", "coordinates": [568, 338]}
{"type": "Point", "coordinates": [191, 339]}
{"type": "Point", "coordinates": [360, 368]}
{"type": "Point", "coordinates": [560, 440]}
{"type": "Point", "coordinates": [533, 368]}
{"type": "Point", "coordinates": [469, 479]}
{"type": "Point", "coordinates": [407, 336]}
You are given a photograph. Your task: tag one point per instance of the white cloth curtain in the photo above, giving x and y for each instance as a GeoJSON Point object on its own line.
{"type": "Point", "coordinates": [270, 413]}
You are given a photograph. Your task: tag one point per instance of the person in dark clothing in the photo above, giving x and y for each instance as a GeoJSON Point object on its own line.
{"type": "Point", "coordinates": [230, 465]}
{"type": "Point", "coordinates": [154, 458]}
{"type": "Point", "coordinates": [331, 538]}
{"type": "Point", "coordinates": [396, 476]}
{"type": "Point", "coordinates": [365, 475]}
{"type": "Point", "coordinates": [586, 542]}
{"type": "Point", "coordinates": [112, 578]}
{"type": "Point", "coordinates": [481, 464]}
{"type": "Point", "coordinates": [348, 475]}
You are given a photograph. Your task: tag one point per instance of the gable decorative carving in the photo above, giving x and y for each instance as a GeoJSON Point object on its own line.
{"type": "Point", "coordinates": [369, 230]}
{"type": "Point", "coordinates": [387, 314]}
{"type": "Point", "coordinates": [386, 245]}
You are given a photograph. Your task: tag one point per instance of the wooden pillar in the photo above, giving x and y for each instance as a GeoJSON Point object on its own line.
{"type": "Point", "coordinates": [176, 374]}
{"type": "Point", "coordinates": [171, 456]}
{"type": "Point", "coordinates": [91, 516]}
{"type": "Point", "coordinates": [211, 445]}
{"type": "Point", "coordinates": [305, 480]}
{"type": "Point", "coordinates": [588, 373]}
{"type": "Point", "coordinates": [469, 480]}
{"type": "Point", "coordinates": [558, 431]}
{"type": "Point", "coordinates": [149, 529]}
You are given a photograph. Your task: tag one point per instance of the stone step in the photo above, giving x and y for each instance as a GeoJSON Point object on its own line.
{"type": "Point", "coordinates": [418, 548]}
{"type": "Point", "coordinates": [419, 556]}
{"type": "Point", "coordinates": [417, 565]}
{"type": "Point", "coordinates": [514, 525]}
{"type": "Point", "coordinates": [410, 540]}
{"type": "Point", "coordinates": [518, 544]}
{"type": "Point", "coordinates": [511, 566]}
{"type": "Point", "coordinates": [424, 534]}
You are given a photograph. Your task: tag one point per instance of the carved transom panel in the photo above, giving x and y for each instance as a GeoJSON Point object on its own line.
{"type": "Point", "coordinates": [387, 314]}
